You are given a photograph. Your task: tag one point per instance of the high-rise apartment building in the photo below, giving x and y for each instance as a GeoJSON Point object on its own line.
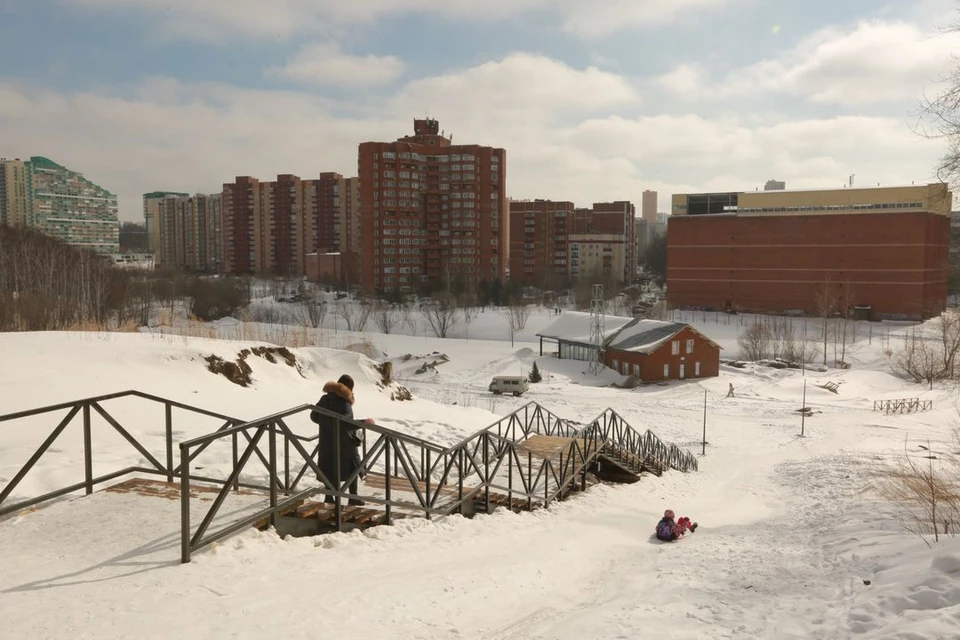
{"type": "Point", "coordinates": [67, 206]}
{"type": "Point", "coordinates": [554, 243]}
{"type": "Point", "coordinates": [350, 216]}
{"type": "Point", "coordinates": [270, 227]}
{"type": "Point", "coordinates": [648, 207]}
{"type": "Point", "coordinates": [432, 213]}
{"type": "Point", "coordinates": [15, 193]}
{"type": "Point", "coordinates": [189, 232]}
{"type": "Point", "coordinates": [618, 222]}
{"type": "Point", "coordinates": [151, 215]}
{"type": "Point", "coordinates": [539, 231]}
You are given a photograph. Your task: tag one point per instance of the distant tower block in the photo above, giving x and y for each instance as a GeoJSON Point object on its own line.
{"type": "Point", "coordinates": [596, 329]}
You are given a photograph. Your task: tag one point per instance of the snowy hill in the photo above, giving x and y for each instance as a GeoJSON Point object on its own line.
{"type": "Point", "coordinates": [787, 543]}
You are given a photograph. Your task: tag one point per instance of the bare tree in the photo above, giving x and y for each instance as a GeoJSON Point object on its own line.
{"type": "Point", "coordinates": [347, 311]}
{"type": "Point", "coordinates": [927, 494]}
{"type": "Point", "coordinates": [407, 319]}
{"type": "Point", "coordinates": [755, 342]}
{"type": "Point", "coordinates": [441, 315]}
{"type": "Point", "coordinates": [313, 309]}
{"type": "Point", "coordinates": [516, 315]}
{"type": "Point", "coordinates": [919, 360]}
{"type": "Point", "coordinates": [939, 118]}
{"type": "Point", "coordinates": [384, 316]}
{"type": "Point", "coordinates": [826, 305]}
{"type": "Point", "coordinates": [519, 314]}
{"type": "Point", "coordinates": [354, 314]}
{"type": "Point", "coordinates": [949, 336]}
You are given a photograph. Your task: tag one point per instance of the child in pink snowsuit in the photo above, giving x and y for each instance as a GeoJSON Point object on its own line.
{"type": "Point", "coordinates": [668, 530]}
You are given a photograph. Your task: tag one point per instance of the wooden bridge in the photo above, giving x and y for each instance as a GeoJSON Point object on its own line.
{"type": "Point", "coordinates": [526, 460]}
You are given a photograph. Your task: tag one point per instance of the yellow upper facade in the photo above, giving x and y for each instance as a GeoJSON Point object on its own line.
{"type": "Point", "coordinates": [934, 198]}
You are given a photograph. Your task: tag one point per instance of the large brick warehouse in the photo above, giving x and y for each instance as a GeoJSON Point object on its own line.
{"type": "Point", "coordinates": [881, 250]}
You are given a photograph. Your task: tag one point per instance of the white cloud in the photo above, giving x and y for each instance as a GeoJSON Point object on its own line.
{"type": "Point", "coordinates": [687, 81]}
{"type": "Point", "coordinates": [875, 62]}
{"type": "Point", "coordinates": [558, 124]}
{"type": "Point", "coordinates": [326, 64]}
{"type": "Point", "coordinates": [212, 19]}
{"type": "Point", "coordinates": [523, 93]}
{"type": "Point", "coordinates": [599, 18]}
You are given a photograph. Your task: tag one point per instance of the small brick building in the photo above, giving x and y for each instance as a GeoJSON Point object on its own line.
{"type": "Point", "coordinates": [651, 350]}
{"type": "Point", "coordinates": [648, 350]}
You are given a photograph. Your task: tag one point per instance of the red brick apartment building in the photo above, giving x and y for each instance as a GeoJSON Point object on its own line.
{"type": "Point", "coordinates": [553, 243]}
{"type": "Point", "coordinates": [431, 213]}
{"type": "Point", "coordinates": [882, 249]}
{"type": "Point", "coordinates": [270, 227]}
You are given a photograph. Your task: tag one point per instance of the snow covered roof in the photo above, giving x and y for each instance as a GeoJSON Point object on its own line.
{"type": "Point", "coordinates": [646, 336]}
{"type": "Point", "coordinates": [574, 326]}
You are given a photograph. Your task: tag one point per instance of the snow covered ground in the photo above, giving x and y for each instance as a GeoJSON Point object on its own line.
{"type": "Point", "coordinates": [787, 543]}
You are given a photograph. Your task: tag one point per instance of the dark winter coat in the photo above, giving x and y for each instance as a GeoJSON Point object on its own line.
{"type": "Point", "coordinates": [337, 398]}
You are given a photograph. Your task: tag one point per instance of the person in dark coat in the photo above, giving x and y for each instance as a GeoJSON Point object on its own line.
{"type": "Point", "coordinates": [338, 398]}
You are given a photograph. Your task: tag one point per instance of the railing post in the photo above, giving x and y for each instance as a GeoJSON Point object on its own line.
{"type": "Point", "coordinates": [426, 480]}
{"type": "Point", "coordinates": [236, 459]}
{"type": "Point", "coordinates": [87, 450]}
{"type": "Point", "coordinates": [486, 472]}
{"type": "Point", "coordinates": [168, 420]}
{"type": "Point", "coordinates": [460, 479]}
{"type": "Point", "coordinates": [286, 464]}
{"type": "Point", "coordinates": [530, 480]}
{"type": "Point", "coordinates": [509, 451]}
{"type": "Point", "coordinates": [389, 490]}
{"type": "Point", "coordinates": [546, 484]}
{"type": "Point", "coordinates": [184, 504]}
{"type": "Point", "coordinates": [274, 476]}
{"type": "Point", "coordinates": [337, 503]}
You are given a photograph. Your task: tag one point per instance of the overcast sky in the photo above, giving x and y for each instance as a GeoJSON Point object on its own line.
{"type": "Point", "coordinates": [593, 100]}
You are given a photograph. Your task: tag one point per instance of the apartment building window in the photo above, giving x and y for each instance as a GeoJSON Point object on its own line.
{"type": "Point", "coordinates": [675, 347]}
{"type": "Point", "coordinates": [666, 370]}
{"type": "Point", "coordinates": [696, 369]}
{"type": "Point", "coordinates": [689, 346]}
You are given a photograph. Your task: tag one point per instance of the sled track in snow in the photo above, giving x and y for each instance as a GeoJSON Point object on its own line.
{"type": "Point", "coordinates": [523, 461]}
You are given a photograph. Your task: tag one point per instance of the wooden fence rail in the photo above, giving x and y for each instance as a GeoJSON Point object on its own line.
{"type": "Point", "coordinates": [902, 405]}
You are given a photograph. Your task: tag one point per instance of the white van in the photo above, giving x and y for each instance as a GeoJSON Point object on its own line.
{"type": "Point", "coordinates": [509, 384]}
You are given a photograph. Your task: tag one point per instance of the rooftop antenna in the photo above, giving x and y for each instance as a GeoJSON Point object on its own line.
{"type": "Point", "coordinates": [596, 329]}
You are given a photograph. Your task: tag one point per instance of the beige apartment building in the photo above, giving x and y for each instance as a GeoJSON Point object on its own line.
{"type": "Point", "coordinates": [152, 203]}
{"type": "Point", "coordinates": [189, 233]}
{"type": "Point", "coordinates": [15, 193]}
{"type": "Point", "coordinates": [598, 256]}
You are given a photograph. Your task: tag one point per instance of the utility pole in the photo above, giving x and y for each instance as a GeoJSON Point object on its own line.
{"type": "Point", "coordinates": [704, 452]}
{"type": "Point", "coordinates": [597, 329]}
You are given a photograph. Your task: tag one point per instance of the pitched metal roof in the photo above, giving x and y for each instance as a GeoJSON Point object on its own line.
{"type": "Point", "coordinates": [574, 326]}
{"type": "Point", "coordinates": [644, 336]}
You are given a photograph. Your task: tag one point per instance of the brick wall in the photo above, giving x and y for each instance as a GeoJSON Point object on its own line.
{"type": "Point", "coordinates": [895, 262]}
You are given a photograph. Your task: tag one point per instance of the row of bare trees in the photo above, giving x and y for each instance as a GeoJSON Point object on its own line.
{"type": "Point", "coordinates": [46, 285]}
{"type": "Point", "coordinates": [774, 337]}
{"type": "Point", "coordinates": [929, 351]}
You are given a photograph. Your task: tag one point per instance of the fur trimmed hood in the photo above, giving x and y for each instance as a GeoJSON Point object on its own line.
{"type": "Point", "coordinates": [339, 389]}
